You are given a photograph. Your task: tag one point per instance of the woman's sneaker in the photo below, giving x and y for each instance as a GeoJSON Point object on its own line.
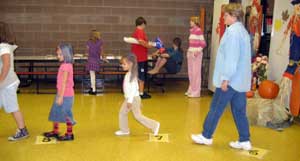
{"type": "Point", "coordinates": [245, 145]}
{"type": "Point", "coordinates": [121, 133]}
{"type": "Point", "coordinates": [20, 134]}
{"type": "Point", "coordinates": [200, 139]}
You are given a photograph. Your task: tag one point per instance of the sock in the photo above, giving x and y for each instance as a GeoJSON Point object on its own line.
{"type": "Point", "coordinates": [141, 93]}
{"type": "Point", "coordinates": [69, 127]}
{"type": "Point", "coordinates": [93, 80]}
{"type": "Point", "coordinates": [55, 128]}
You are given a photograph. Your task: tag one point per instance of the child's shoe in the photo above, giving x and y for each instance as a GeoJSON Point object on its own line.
{"type": "Point", "coordinates": [51, 134]}
{"type": "Point", "coordinates": [145, 95]}
{"type": "Point", "coordinates": [66, 137]}
{"type": "Point", "coordinates": [121, 133]}
{"type": "Point", "coordinates": [91, 92]}
{"type": "Point", "coordinates": [193, 96]}
{"type": "Point", "coordinates": [20, 134]}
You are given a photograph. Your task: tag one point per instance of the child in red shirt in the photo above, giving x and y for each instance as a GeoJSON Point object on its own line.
{"type": "Point", "coordinates": [140, 50]}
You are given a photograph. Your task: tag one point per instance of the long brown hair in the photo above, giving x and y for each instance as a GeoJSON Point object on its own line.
{"type": "Point", "coordinates": [6, 35]}
{"type": "Point", "coordinates": [134, 68]}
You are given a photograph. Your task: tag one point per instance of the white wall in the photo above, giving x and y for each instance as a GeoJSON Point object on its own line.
{"type": "Point", "coordinates": [279, 61]}
{"type": "Point", "coordinates": [214, 40]}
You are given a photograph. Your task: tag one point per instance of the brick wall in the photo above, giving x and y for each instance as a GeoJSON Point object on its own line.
{"type": "Point", "coordinates": [40, 25]}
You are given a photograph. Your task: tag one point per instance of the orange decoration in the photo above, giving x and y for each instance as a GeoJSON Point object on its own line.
{"type": "Point", "coordinates": [295, 94]}
{"type": "Point", "coordinates": [202, 18]}
{"type": "Point", "coordinates": [250, 94]}
{"type": "Point", "coordinates": [268, 89]}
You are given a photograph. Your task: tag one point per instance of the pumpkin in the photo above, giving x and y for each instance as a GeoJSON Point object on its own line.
{"type": "Point", "coordinates": [268, 89]}
{"type": "Point", "coordinates": [250, 94]}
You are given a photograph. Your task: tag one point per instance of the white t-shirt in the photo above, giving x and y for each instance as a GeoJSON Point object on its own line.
{"type": "Point", "coordinates": [131, 89]}
{"type": "Point", "coordinates": [11, 75]}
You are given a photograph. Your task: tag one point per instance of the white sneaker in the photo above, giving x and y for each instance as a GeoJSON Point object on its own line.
{"type": "Point", "coordinates": [192, 96]}
{"type": "Point", "coordinates": [121, 133]}
{"type": "Point", "coordinates": [245, 145]}
{"type": "Point", "coordinates": [200, 139]}
{"type": "Point", "coordinates": [186, 93]}
{"type": "Point", "coordinates": [156, 130]}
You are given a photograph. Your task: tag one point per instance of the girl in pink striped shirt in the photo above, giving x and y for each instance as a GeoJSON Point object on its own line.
{"type": "Point", "coordinates": [194, 57]}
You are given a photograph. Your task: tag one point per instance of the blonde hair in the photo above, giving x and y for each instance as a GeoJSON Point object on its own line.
{"type": "Point", "coordinates": [196, 20]}
{"type": "Point", "coordinates": [236, 10]}
{"type": "Point", "coordinates": [94, 35]}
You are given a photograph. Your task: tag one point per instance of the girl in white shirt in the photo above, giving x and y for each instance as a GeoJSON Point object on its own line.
{"type": "Point", "coordinates": [9, 82]}
{"type": "Point", "coordinates": [132, 100]}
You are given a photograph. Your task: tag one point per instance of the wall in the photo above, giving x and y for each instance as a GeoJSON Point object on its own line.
{"type": "Point", "coordinates": [215, 41]}
{"type": "Point", "coordinates": [41, 24]}
{"type": "Point", "coordinates": [279, 47]}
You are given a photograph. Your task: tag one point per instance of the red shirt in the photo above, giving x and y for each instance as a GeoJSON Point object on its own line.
{"type": "Point", "coordinates": [139, 50]}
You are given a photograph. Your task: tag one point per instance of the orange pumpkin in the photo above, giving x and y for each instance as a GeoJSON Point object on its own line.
{"type": "Point", "coordinates": [250, 94]}
{"type": "Point", "coordinates": [268, 89]}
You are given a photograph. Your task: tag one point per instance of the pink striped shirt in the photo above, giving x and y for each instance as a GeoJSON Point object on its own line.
{"type": "Point", "coordinates": [196, 39]}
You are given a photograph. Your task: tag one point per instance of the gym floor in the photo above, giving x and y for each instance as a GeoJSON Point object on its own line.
{"type": "Point", "coordinates": [97, 120]}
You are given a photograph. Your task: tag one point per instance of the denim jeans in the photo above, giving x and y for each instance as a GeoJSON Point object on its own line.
{"type": "Point", "coordinates": [238, 108]}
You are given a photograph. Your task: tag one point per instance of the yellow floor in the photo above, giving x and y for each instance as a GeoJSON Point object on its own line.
{"type": "Point", "coordinates": [97, 118]}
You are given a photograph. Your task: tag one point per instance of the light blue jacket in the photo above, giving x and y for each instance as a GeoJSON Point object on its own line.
{"type": "Point", "coordinates": [233, 62]}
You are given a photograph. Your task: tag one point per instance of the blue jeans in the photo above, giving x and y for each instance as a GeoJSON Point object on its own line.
{"type": "Point", "coordinates": [238, 109]}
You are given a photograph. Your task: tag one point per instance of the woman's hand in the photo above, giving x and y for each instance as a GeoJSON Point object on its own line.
{"type": "Point", "coordinates": [59, 100]}
{"type": "Point", "coordinates": [224, 85]}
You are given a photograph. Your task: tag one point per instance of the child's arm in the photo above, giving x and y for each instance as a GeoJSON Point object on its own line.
{"type": "Point", "coordinates": [102, 56]}
{"type": "Point", "coordinates": [5, 67]}
{"type": "Point", "coordinates": [101, 53]}
{"type": "Point", "coordinates": [61, 93]}
{"type": "Point", "coordinates": [87, 50]}
{"type": "Point", "coordinates": [130, 90]}
{"type": "Point", "coordinates": [132, 40]}
{"type": "Point", "coordinates": [101, 49]}
{"type": "Point", "coordinates": [145, 44]}
{"type": "Point", "coordinates": [156, 53]}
